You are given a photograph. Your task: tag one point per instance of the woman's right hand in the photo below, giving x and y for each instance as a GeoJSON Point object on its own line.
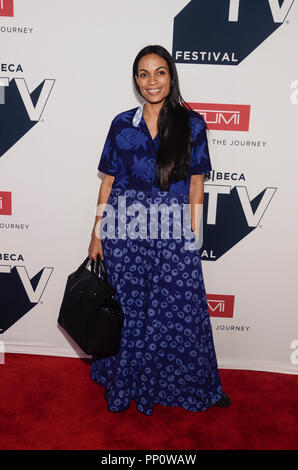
{"type": "Point", "coordinates": [95, 248]}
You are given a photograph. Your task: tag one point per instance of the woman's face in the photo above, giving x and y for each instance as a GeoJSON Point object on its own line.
{"type": "Point", "coordinates": [154, 78]}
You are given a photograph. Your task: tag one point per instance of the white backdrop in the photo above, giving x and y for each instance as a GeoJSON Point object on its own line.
{"type": "Point", "coordinates": [85, 53]}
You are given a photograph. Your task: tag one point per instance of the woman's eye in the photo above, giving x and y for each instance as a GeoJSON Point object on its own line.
{"type": "Point", "coordinates": [144, 74]}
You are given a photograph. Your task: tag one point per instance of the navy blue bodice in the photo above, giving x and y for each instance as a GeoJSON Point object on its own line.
{"type": "Point", "coordinates": [130, 153]}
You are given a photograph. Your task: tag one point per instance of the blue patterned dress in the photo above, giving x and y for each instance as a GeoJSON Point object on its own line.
{"type": "Point", "coordinates": [167, 353]}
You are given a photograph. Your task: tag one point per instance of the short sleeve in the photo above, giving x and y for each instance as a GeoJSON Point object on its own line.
{"type": "Point", "coordinates": [200, 158]}
{"type": "Point", "coordinates": [109, 160]}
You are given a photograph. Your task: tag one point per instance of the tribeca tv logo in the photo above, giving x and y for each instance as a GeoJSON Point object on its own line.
{"type": "Point", "coordinates": [19, 291]}
{"type": "Point", "coordinates": [20, 110]}
{"type": "Point", "coordinates": [225, 32]}
{"type": "Point", "coordinates": [224, 117]}
{"type": "Point", "coordinates": [230, 214]}
{"type": "Point", "coordinates": [5, 203]}
{"type": "Point", "coordinates": [6, 7]}
{"type": "Point", "coordinates": [221, 305]}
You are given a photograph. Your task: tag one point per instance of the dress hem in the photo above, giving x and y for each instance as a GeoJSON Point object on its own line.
{"type": "Point", "coordinates": [158, 403]}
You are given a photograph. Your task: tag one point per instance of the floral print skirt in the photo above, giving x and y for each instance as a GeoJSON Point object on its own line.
{"type": "Point", "coordinates": [167, 353]}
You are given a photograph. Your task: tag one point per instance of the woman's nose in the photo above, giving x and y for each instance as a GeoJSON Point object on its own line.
{"type": "Point", "coordinates": [152, 79]}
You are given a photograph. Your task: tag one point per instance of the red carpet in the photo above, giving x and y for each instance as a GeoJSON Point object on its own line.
{"type": "Point", "coordinates": [51, 403]}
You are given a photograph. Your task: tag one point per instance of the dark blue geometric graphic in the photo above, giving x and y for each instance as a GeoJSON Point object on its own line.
{"type": "Point", "coordinates": [14, 119]}
{"type": "Point", "coordinates": [225, 32]}
{"type": "Point", "coordinates": [231, 224]}
{"type": "Point", "coordinates": [14, 300]}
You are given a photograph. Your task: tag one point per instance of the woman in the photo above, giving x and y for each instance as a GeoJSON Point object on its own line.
{"type": "Point", "coordinates": [155, 156]}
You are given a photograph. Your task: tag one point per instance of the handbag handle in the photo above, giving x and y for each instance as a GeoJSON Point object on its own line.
{"type": "Point", "coordinates": [82, 267]}
{"type": "Point", "coordinates": [102, 268]}
{"type": "Point", "coordinates": [98, 263]}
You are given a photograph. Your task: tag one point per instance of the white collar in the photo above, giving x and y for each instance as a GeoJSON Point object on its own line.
{"type": "Point", "coordinates": [138, 115]}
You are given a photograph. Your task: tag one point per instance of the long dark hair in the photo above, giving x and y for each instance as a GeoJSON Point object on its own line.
{"type": "Point", "coordinates": [173, 125]}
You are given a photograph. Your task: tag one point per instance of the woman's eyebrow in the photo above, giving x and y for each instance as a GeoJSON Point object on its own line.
{"type": "Point", "coordinates": [161, 67]}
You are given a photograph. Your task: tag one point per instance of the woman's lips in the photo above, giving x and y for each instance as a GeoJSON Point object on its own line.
{"type": "Point", "coordinates": [154, 91]}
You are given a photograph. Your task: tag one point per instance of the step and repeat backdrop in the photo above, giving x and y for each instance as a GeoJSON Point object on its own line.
{"type": "Point", "coordinates": [66, 71]}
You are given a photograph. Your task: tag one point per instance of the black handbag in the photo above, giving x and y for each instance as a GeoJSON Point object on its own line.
{"type": "Point", "coordinates": [89, 313]}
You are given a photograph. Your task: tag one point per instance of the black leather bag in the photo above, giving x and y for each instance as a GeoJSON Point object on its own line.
{"type": "Point", "coordinates": [89, 313]}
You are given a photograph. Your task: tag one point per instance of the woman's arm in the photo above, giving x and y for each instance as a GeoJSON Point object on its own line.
{"type": "Point", "coordinates": [196, 199]}
{"type": "Point", "coordinates": [95, 246]}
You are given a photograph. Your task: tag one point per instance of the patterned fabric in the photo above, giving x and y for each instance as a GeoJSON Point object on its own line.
{"type": "Point", "coordinates": [167, 353]}
{"type": "Point", "coordinates": [130, 153]}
